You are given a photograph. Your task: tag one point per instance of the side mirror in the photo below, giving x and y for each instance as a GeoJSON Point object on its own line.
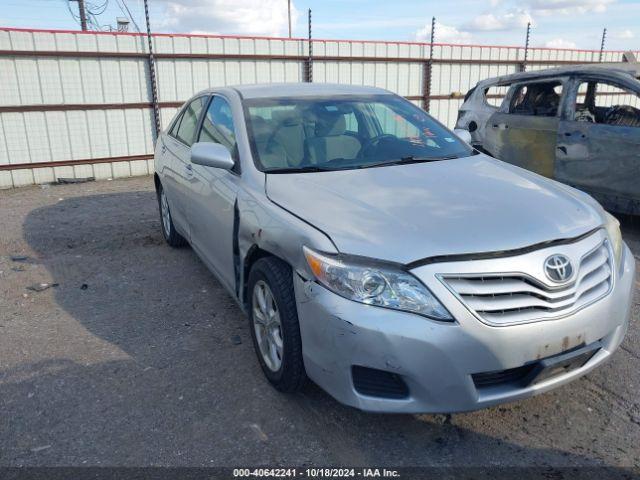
{"type": "Point", "coordinates": [463, 135]}
{"type": "Point", "coordinates": [211, 155]}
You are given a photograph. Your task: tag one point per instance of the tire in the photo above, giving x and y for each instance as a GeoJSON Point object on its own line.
{"type": "Point", "coordinates": [289, 376]}
{"type": "Point", "coordinates": [169, 231]}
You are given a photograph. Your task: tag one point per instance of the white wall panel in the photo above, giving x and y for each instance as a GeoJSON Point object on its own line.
{"type": "Point", "coordinates": [62, 135]}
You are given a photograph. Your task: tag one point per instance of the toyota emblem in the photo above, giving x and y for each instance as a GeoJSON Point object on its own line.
{"type": "Point", "coordinates": [558, 268]}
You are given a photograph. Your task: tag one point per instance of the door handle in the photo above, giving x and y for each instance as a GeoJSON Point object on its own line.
{"type": "Point", "coordinates": [189, 169]}
{"type": "Point", "coordinates": [501, 126]}
{"type": "Point", "coordinates": [569, 134]}
{"type": "Point", "coordinates": [563, 149]}
{"type": "Point", "coordinates": [163, 148]}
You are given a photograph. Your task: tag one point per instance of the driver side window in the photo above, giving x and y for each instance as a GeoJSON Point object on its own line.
{"type": "Point", "coordinates": [217, 125]}
{"type": "Point", "coordinates": [538, 99]}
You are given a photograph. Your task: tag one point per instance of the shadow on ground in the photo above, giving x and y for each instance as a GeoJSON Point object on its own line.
{"type": "Point", "coordinates": [186, 388]}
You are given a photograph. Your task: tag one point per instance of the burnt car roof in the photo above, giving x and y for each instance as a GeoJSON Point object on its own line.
{"type": "Point", "coordinates": [620, 70]}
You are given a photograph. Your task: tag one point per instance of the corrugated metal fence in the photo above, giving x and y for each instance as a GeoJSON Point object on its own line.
{"type": "Point", "coordinates": [78, 104]}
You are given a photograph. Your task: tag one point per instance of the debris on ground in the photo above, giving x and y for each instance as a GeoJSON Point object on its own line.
{"type": "Point", "coordinates": [40, 287]}
{"type": "Point", "coordinates": [39, 449]}
{"type": "Point", "coordinates": [65, 181]}
{"type": "Point", "coordinates": [236, 340]}
{"type": "Point", "coordinates": [256, 428]}
{"type": "Point", "coordinates": [19, 258]}
{"type": "Point", "coordinates": [84, 286]}
{"type": "Point", "coordinates": [18, 269]}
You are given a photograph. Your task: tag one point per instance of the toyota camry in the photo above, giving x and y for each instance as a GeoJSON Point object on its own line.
{"type": "Point", "coordinates": [379, 255]}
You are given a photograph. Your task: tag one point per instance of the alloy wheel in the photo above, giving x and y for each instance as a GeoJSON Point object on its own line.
{"type": "Point", "coordinates": [267, 325]}
{"type": "Point", "coordinates": [166, 215]}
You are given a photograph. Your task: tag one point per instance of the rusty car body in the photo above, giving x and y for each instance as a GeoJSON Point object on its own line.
{"type": "Point", "coordinates": [578, 124]}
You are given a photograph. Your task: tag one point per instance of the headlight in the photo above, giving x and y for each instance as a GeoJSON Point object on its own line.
{"type": "Point", "coordinates": [374, 283]}
{"type": "Point", "coordinates": [615, 237]}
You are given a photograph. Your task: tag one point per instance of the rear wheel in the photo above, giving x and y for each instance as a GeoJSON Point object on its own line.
{"type": "Point", "coordinates": [169, 232]}
{"type": "Point", "coordinates": [274, 324]}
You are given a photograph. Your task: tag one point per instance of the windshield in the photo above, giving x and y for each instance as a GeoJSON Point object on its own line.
{"type": "Point", "coordinates": [342, 132]}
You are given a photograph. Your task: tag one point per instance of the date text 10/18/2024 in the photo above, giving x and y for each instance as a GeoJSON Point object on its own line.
{"type": "Point", "coordinates": [316, 472]}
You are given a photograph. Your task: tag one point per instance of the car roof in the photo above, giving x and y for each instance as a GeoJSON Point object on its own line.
{"type": "Point", "coordinates": [280, 90]}
{"type": "Point", "coordinates": [621, 70]}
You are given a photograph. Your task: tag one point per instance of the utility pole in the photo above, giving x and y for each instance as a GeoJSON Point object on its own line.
{"type": "Point", "coordinates": [83, 15]}
{"type": "Point", "coordinates": [289, 15]}
{"type": "Point", "coordinates": [604, 37]}
{"type": "Point", "coordinates": [152, 75]}
{"type": "Point", "coordinates": [523, 66]}
{"type": "Point", "coordinates": [427, 69]}
{"type": "Point", "coordinates": [310, 57]}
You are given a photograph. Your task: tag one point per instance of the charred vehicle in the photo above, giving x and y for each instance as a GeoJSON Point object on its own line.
{"type": "Point", "coordinates": [579, 125]}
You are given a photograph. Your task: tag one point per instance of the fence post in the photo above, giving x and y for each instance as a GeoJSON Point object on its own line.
{"type": "Point", "coordinates": [427, 69]}
{"type": "Point", "coordinates": [604, 36]}
{"type": "Point", "coordinates": [310, 57]}
{"type": "Point", "coordinates": [523, 65]}
{"type": "Point", "coordinates": [152, 75]}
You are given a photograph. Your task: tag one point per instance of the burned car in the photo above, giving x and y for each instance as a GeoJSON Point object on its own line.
{"type": "Point", "coordinates": [579, 125]}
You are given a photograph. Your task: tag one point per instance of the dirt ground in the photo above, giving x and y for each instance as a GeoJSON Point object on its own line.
{"type": "Point", "coordinates": [139, 357]}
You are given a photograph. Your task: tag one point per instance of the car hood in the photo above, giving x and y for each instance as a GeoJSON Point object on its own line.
{"type": "Point", "coordinates": [405, 213]}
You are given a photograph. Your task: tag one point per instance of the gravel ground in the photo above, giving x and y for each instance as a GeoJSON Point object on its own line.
{"type": "Point", "coordinates": [139, 357]}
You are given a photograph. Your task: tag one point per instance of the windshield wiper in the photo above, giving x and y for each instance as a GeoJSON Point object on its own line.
{"type": "Point", "coordinates": [407, 160]}
{"type": "Point", "coordinates": [306, 168]}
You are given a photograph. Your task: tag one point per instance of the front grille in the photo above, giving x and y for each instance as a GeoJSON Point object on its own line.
{"type": "Point", "coordinates": [378, 383]}
{"type": "Point", "coordinates": [513, 376]}
{"type": "Point", "coordinates": [504, 299]}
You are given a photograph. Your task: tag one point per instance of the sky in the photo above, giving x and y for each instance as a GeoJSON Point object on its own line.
{"type": "Point", "coordinates": [555, 23]}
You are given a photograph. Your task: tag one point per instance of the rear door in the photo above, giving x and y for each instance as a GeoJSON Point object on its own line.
{"type": "Point", "coordinates": [524, 130]}
{"type": "Point", "coordinates": [212, 195]}
{"type": "Point", "coordinates": [177, 150]}
{"type": "Point", "coordinates": [599, 142]}
{"type": "Point", "coordinates": [170, 172]}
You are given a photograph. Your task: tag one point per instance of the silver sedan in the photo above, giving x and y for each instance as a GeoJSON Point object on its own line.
{"type": "Point", "coordinates": [376, 253]}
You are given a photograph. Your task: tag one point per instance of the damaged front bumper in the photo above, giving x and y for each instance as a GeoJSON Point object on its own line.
{"type": "Point", "coordinates": [442, 364]}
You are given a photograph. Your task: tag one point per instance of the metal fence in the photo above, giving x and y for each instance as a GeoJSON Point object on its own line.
{"type": "Point", "coordinates": [79, 104]}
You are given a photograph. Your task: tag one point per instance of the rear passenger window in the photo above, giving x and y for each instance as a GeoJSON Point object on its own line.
{"type": "Point", "coordinates": [540, 99]}
{"type": "Point", "coordinates": [187, 129]}
{"type": "Point", "coordinates": [494, 95]}
{"type": "Point", "coordinates": [608, 104]}
{"type": "Point", "coordinates": [174, 128]}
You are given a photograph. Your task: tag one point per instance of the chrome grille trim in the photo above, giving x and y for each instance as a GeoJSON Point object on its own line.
{"type": "Point", "coordinates": [498, 298]}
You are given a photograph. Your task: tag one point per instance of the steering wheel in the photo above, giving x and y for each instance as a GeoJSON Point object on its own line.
{"type": "Point", "coordinates": [373, 142]}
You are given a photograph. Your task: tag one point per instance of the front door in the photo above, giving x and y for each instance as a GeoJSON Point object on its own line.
{"type": "Point", "coordinates": [212, 196]}
{"type": "Point", "coordinates": [599, 143]}
{"type": "Point", "coordinates": [523, 131]}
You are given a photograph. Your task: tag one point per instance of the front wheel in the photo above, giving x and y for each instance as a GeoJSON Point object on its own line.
{"type": "Point", "coordinates": [274, 324]}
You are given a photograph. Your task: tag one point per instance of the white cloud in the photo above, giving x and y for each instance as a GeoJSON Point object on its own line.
{"type": "Point", "coordinates": [248, 17]}
{"type": "Point", "coordinates": [568, 7]}
{"type": "Point", "coordinates": [503, 21]}
{"type": "Point", "coordinates": [624, 34]}
{"type": "Point", "coordinates": [560, 43]}
{"type": "Point", "coordinates": [444, 34]}
{"type": "Point", "coordinates": [366, 23]}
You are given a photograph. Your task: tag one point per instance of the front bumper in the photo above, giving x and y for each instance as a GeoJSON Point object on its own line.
{"type": "Point", "coordinates": [436, 360]}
